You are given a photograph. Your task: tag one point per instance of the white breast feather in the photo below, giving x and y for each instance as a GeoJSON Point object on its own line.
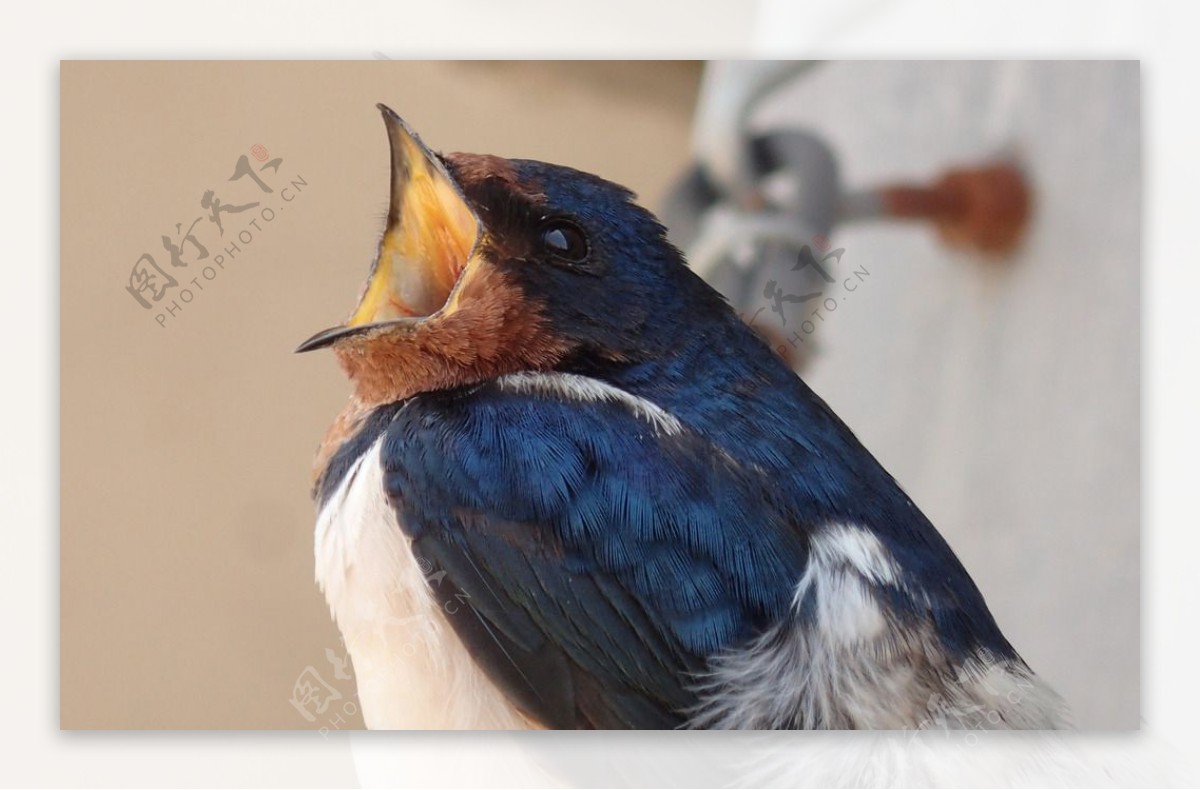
{"type": "Point", "coordinates": [571, 386]}
{"type": "Point", "coordinates": [411, 669]}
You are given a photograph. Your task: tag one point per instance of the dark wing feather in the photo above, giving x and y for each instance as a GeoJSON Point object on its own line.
{"type": "Point", "coordinates": [591, 565]}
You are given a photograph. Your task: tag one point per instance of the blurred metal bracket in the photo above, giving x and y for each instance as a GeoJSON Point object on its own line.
{"type": "Point", "coordinates": [753, 208]}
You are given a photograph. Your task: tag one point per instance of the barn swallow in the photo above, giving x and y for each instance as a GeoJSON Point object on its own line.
{"type": "Point", "coordinates": [572, 489]}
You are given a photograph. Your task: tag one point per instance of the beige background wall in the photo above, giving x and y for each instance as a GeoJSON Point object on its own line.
{"type": "Point", "coordinates": [187, 593]}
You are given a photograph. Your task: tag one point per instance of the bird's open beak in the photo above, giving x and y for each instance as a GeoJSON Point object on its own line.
{"type": "Point", "coordinates": [430, 237]}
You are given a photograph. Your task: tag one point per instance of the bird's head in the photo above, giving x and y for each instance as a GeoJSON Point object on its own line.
{"type": "Point", "coordinates": [489, 266]}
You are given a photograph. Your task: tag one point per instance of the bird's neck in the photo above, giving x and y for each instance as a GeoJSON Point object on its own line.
{"type": "Point", "coordinates": [708, 372]}
{"type": "Point", "coordinates": [500, 333]}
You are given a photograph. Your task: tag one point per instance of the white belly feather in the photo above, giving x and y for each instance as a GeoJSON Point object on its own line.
{"type": "Point", "coordinates": [412, 671]}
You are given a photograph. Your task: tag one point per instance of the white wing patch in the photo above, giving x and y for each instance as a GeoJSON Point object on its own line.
{"type": "Point", "coordinates": [841, 662]}
{"type": "Point", "coordinates": [857, 548]}
{"type": "Point", "coordinates": [585, 389]}
{"type": "Point", "coordinates": [411, 669]}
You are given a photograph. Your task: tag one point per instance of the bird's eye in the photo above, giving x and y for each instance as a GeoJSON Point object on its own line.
{"type": "Point", "coordinates": [564, 240]}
